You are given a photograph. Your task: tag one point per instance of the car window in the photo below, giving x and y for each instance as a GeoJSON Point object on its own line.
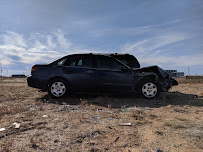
{"type": "Point", "coordinates": [73, 63]}
{"type": "Point", "coordinates": [80, 61]}
{"type": "Point", "coordinates": [61, 62]}
{"type": "Point", "coordinates": [108, 63]}
{"type": "Point", "coordinates": [129, 60]}
{"type": "Point", "coordinates": [124, 61]}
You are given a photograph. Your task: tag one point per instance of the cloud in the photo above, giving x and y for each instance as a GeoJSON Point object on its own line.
{"type": "Point", "coordinates": [162, 49]}
{"type": "Point", "coordinates": [11, 38]}
{"type": "Point", "coordinates": [37, 48]}
{"type": "Point", "coordinates": [153, 43]}
{"type": "Point", "coordinates": [19, 52]}
{"type": "Point", "coordinates": [62, 41]}
{"type": "Point", "coordinates": [138, 46]}
{"type": "Point", "coordinates": [173, 62]}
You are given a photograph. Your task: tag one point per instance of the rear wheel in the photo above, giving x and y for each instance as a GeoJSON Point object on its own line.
{"type": "Point", "coordinates": [149, 89]}
{"type": "Point", "coordinates": [58, 88]}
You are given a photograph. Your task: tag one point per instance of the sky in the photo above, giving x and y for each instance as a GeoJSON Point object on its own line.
{"type": "Point", "coordinates": [166, 33]}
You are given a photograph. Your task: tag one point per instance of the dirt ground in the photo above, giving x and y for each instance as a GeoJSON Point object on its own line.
{"type": "Point", "coordinates": [172, 123]}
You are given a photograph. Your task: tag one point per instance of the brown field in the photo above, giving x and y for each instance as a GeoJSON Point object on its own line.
{"type": "Point", "coordinates": [173, 123]}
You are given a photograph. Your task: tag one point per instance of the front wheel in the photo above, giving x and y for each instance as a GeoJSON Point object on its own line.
{"type": "Point", "coordinates": [58, 88]}
{"type": "Point", "coordinates": [149, 89]}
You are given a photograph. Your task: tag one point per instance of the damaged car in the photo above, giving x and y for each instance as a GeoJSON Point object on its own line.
{"type": "Point", "coordinates": [99, 73]}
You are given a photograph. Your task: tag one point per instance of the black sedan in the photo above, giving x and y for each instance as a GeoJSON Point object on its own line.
{"type": "Point", "coordinates": [97, 73]}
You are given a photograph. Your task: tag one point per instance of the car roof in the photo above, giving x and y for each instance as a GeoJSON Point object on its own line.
{"type": "Point", "coordinates": [106, 54]}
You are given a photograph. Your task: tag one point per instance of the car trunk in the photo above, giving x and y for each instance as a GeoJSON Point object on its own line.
{"type": "Point", "coordinates": [40, 70]}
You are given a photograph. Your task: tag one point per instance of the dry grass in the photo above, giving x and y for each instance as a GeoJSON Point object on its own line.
{"type": "Point", "coordinates": [90, 123]}
{"type": "Point", "coordinates": [178, 124]}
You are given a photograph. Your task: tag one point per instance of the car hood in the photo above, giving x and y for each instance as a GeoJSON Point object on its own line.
{"type": "Point", "coordinates": [158, 71]}
{"type": "Point", "coordinates": [155, 69]}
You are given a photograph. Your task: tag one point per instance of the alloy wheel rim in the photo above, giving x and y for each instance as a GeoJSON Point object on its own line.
{"type": "Point", "coordinates": [58, 89]}
{"type": "Point", "coordinates": [149, 90]}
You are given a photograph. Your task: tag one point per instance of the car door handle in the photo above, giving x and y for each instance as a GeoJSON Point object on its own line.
{"type": "Point", "coordinates": [89, 72]}
{"type": "Point", "coordinates": [68, 71]}
{"type": "Point", "coordinates": [101, 74]}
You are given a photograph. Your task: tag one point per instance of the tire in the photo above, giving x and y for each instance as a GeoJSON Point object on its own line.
{"type": "Point", "coordinates": [149, 89]}
{"type": "Point", "coordinates": [58, 88]}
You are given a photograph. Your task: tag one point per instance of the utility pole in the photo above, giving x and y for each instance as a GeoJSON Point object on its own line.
{"type": "Point", "coordinates": [1, 69]}
{"type": "Point", "coordinates": [188, 70]}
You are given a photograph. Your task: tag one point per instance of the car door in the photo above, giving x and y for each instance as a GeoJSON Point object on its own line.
{"type": "Point", "coordinates": [80, 73]}
{"type": "Point", "coordinates": [112, 76]}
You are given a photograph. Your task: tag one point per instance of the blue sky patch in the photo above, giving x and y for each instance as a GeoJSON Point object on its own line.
{"type": "Point", "coordinates": [165, 33]}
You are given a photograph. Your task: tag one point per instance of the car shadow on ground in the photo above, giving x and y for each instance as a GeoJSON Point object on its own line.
{"type": "Point", "coordinates": [125, 101]}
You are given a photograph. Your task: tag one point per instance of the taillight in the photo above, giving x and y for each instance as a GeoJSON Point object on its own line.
{"type": "Point", "coordinates": [34, 68]}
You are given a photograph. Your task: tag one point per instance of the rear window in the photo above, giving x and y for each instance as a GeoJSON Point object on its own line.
{"type": "Point", "coordinates": [79, 61]}
{"type": "Point", "coordinates": [62, 62]}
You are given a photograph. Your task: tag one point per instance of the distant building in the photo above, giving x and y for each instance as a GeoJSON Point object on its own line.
{"type": "Point", "coordinates": [175, 73]}
{"type": "Point", "coordinates": [18, 76]}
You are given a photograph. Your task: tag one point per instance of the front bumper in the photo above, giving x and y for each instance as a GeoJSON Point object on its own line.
{"type": "Point", "coordinates": [174, 82]}
{"type": "Point", "coordinates": [166, 85]}
{"type": "Point", "coordinates": [37, 83]}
